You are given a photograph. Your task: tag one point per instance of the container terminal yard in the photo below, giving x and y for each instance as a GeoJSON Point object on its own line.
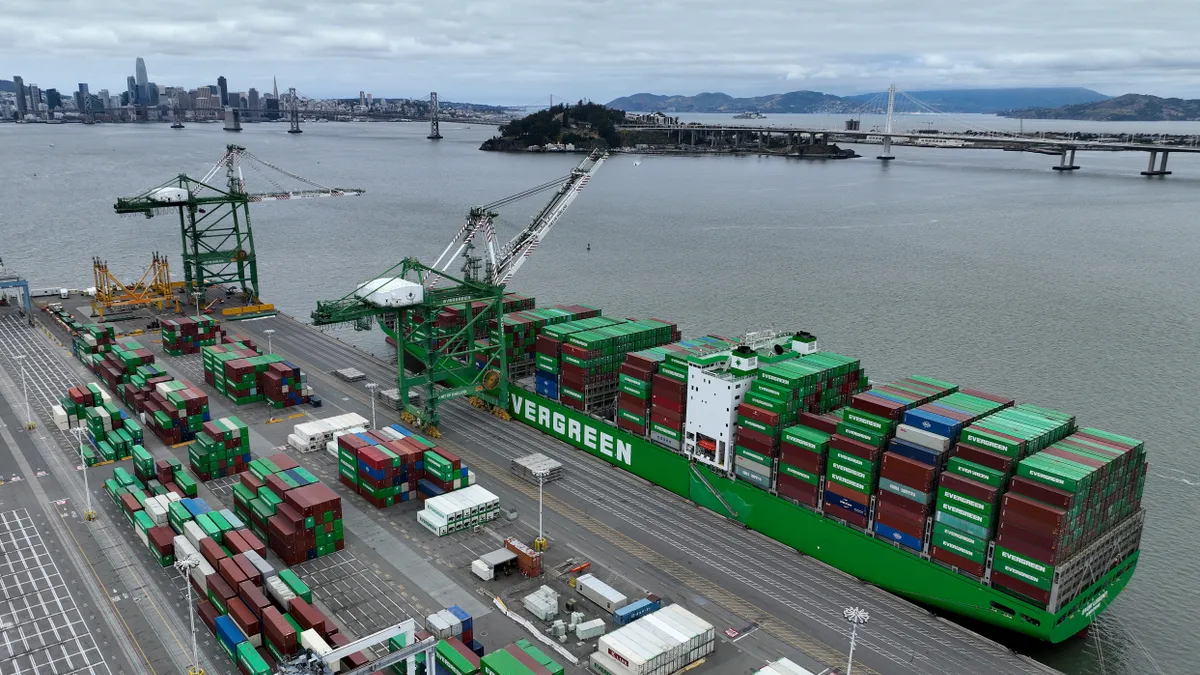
{"type": "Point", "coordinates": [245, 447]}
{"type": "Point", "coordinates": [637, 537]}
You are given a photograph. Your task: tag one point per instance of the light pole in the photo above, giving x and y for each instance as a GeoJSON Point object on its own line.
{"type": "Point", "coordinates": [30, 425]}
{"type": "Point", "coordinates": [539, 544]}
{"type": "Point", "coordinates": [185, 566]}
{"type": "Point", "coordinates": [371, 387]}
{"type": "Point", "coordinates": [89, 513]}
{"type": "Point", "coordinates": [856, 617]}
{"type": "Point", "coordinates": [269, 332]}
{"type": "Point", "coordinates": [198, 295]}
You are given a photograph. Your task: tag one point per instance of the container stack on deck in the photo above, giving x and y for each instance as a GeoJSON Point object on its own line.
{"type": "Point", "coordinates": [548, 350]}
{"type": "Point", "coordinates": [802, 455]}
{"type": "Point", "coordinates": [298, 515]}
{"type": "Point", "coordinates": [522, 327]}
{"type": "Point", "coordinates": [174, 410]}
{"type": "Point", "coordinates": [652, 385]}
{"type": "Point", "coordinates": [813, 384]}
{"type": "Point", "coordinates": [1062, 500]}
{"type": "Point", "coordinates": [588, 360]}
{"type": "Point", "coordinates": [222, 448]}
{"type": "Point", "coordinates": [245, 376]}
{"type": "Point", "coordinates": [189, 334]}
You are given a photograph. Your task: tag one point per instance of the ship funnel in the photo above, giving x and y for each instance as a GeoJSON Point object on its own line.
{"type": "Point", "coordinates": [804, 343]}
{"type": "Point", "coordinates": [743, 360]}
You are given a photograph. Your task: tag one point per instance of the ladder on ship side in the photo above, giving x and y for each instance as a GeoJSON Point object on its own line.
{"type": "Point", "coordinates": [713, 490]}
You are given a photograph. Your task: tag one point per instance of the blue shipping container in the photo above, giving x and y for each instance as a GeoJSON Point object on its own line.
{"type": "Point", "coordinates": [228, 632]}
{"type": "Point", "coordinates": [461, 614]}
{"type": "Point", "coordinates": [916, 452]}
{"type": "Point", "coordinates": [234, 522]}
{"type": "Point", "coordinates": [933, 423]}
{"type": "Point", "coordinates": [841, 501]}
{"type": "Point", "coordinates": [429, 489]}
{"type": "Point", "coordinates": [400, 430]}
{"type": "Point", "coordinates": [896, 535]}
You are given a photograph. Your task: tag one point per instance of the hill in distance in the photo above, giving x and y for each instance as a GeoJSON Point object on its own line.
{"type": "Point", "coordinates": [7, 85]}
{"type": "Point", "coordinates": [1125, 108]}
{"type": "Point", "coordinates": [944, 100]}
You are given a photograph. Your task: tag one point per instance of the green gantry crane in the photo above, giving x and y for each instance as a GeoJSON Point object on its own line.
{"type": "Point", "coordinates": [214, 222]}
{"type": "Point", "coordinates": [455, 363]}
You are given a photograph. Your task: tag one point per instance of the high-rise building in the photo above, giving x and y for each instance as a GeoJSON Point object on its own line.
{"type": "Point", "coordinates": [19, 86]}
{"type": "Point", "coordinates": [223, 86]}
{"type": "Point", "coordinates": [151, 94]}
{"type": "Point", "coordinates": [104, 98]}
{"type": "Point", "coordinates": [132, 90]}
{"type": "Point", "coordinates": [362, 97]}
{"type": "Point", "coordinates": [35, 98]}
{"type": "Point", "coordinates": [275, 83]}
{"type": "Point", "coordinates": [252, 98]}
{"type": "Point", "coordinates": [143, 81]}
{"type": "Point", "coordinates": [53, 99]}
{"type": "Point", "coordinates": [370, 100]}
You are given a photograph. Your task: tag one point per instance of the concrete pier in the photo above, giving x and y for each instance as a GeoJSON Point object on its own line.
{"type": "Point", "coordinates": [1162, 166]}
{"type": "Point", "coordinates": [1065, 164]}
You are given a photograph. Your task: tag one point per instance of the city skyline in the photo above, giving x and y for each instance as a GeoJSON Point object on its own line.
{"type": "Point", "coordinates": [492, 52]}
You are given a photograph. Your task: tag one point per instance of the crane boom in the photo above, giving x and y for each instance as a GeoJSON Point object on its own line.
{"type": "Point", "coordinates": [503, 261]}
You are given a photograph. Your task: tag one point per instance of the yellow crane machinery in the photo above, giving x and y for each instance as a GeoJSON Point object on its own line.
{"type": "Point", "coordinates": [154, 288]}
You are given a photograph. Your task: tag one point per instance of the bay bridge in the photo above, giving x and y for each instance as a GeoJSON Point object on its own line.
{"type": "Point", "coordinates": [696, 134]}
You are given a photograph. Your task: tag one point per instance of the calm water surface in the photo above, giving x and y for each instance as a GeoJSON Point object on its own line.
{"type": "Point", "coordinates": [1076, 292]}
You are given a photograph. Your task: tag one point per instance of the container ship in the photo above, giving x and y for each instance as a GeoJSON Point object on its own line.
{"type": "Point", "coordinates": [969, 502]}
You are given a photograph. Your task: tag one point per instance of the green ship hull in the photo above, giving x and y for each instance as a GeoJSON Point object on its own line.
{"type": "Point", "coordinates": [873, 560]}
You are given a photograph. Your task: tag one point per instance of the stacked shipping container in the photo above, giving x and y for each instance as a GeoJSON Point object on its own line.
{"type": "Point", "coordinates": [298, 516]}
{"type": "Point", "coordinates": [548, 349]}
{"type": "Point", "coordinates": [522, 325]}
{"type": "Point", "coordinates": [245, 376]}
{"type": "Point", "coordinates": [189, 334]}
{"type": "Point", "coordinates": [222, 448]}
{"type": "Point", "coordinates": [394, 465]}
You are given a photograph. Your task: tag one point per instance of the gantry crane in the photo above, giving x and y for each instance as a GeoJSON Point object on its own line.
{"type": "Point", "coordinates": [214, 223]}
{"type": "Point", "coordinates": [408, 296]}
{"type": "Point", "coordinates": [325, 660]}
{"type": "Point", "coordinates": [154, 288]}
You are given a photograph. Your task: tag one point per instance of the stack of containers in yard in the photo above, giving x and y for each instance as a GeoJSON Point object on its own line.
{"type": "Point", "coordinates": [657, 644]}
{"type": "Point", "coordinates": [316, 435]}
{"type": "Point", "coordinates": [174, 410]}
{"type": "Point", "coordinates": [92, 340]}
{"type": "Point", "coordinates": [802, 455]}
{"type": "Point", "coordinates": [140, 383]}
{"type": "Point", "coordinates": [454, 656]}
{"type": "Point", "coordinates": [529, 561]}
{"type": "Point", "coordinates": [189, 334]}
{"type": "Point", "coordinates": [120, 362]}
{"type": "Point", "coordinates": [459, 510]}
{"type": "Point", "coordinates": [300, 516]}
{"type": "Point", "coordinates": [652, 385]}
{"type": "Point", "coordinates": [222, 448]}
{"type": "Point", "coordinates": [390, 466]}
{"type": "Point", "coordinates": [548, 349]}
{"type": "Point", "coordinates": [519, 658]}
{"type": "Point", "coordinates": [860, 434]}
{"type": "Point", "coordinates": [590, 360]}
{"type": "Point", "coordinates": [811, 384]}
{"type": "Point", "coordinates": [1061, 500]}
{"type": "Point", "coordinates": [151, 505]}
{"type": "Point", "coordinates": [245, 376]}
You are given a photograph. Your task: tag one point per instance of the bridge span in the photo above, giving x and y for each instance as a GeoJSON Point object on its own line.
{"type": "Point", "coordinates": [700, 134]}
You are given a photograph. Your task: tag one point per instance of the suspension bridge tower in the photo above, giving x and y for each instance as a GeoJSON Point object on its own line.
{"type": "Point", "coordinates": [434, 133]}
{"type": "Point", "coordinates": [294, 112]}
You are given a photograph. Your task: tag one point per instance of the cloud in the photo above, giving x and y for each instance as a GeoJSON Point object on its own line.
{"type": "Point", "coordinates": [516, 51]}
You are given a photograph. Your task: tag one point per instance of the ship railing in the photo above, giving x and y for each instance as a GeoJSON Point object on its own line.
{"type": "Point", "coordinates": [1088, 566]}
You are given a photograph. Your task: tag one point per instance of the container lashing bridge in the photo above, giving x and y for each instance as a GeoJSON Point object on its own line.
{"type": "Point", "coordinates": [412, 295]}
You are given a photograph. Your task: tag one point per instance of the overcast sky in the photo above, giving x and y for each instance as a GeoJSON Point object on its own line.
{"type": "Point", "coordinates": [522, 51]}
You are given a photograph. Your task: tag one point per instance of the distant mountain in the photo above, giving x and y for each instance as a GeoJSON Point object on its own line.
{"type": "Point", "coordinates": [7, 85]}
{"type": "Point", "coordinates": [945, 100]}
{"type": "Point", "coordinates": [1126, 108]}
{"type": "Point", "coordinates": [995, 100]}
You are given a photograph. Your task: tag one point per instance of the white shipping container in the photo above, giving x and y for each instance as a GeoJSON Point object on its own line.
{"type": "Point", "coordinates": [193, 533]}
{"type": "Point", "coordinates": [658, 643]}
{"type": "Point", "coordinates": [172, 497]}
{"type": "Point", "coordinates": [279, 591]}
{"type": "Point", "coordinates": [466, 501]}
{"type": "Point", "coordinates": [589, 629]}
{"type": "Point", "coordinates": [783, 667]}
{"type": "Point", "coordinates": [452, 621]}
{"type": "Point", "coordinates": [482, 570]}
{"type": "Point", "coordinates": [158, 512]}
{"type": "Point", "coordinates": [313, 641]}
{"type": "Point", "coordinates": [609, 598]}
{"type": "Point", "coordinates": [183, 548]}
{"type": "Point", "coordinates": [922, 438]}
{"type": "Point", "coordinates": [201, 572]}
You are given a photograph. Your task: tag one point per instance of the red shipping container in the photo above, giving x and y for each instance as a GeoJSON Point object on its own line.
{"type": "Point", "coordinates": [854, 447]}
{"type": "Point", "coordinates": [983, 457]}
{"type": "Point", "coordinates": [900, 520]}
{"type": "Point", "coordinates": [631, 427]}
{"type": "Point", "coordinates": [666, 403]}
{"type": "Point", "coordinates": [254, 597]}
{"type": "Point", "coordinates": [243, 617]}
{"type": "Point", "coordinates": [955, 560]}
{"type": "Point", "coordinates": [875, 405]}
{"type": "Point", "coordinates": [1028, 543]}
{"type": "Point", "coordinates": [843, 491]}
{"type": "Point", "coordinates": [279, 631]}
{"type": "Point", "coordinates": [1041, 492]}
{"type": "Point", "coordinates": [211, 551]}
{"type": "Point", "coordinates": [208, 615]}
{"type": "Point", "coordinates": [750, 443]}
{"type": "Point", "coordinates": [909, 472]}
{"type": "Point", "coordinates": [130, 503]}
{"type": "Point", "coordinates": [283, 461]}
{"type": "Point", "coordinates": [794, 488]}
{"type": "Point", "coordinates": [801, 458]}
{"type": "Point", "coordinates": [220, 588]}
{"type": "Point", "coordinates": [306, 615]}
{"type": "Point", "coordinates": [970, 488]}
{"type": "Point", "coordinates": [234, 542]}
{"type": "Point", "coordinates": [1020, 587]}
{"type": "Point", "coordinates": [758, 414]}
{"type": "Point", "coordinates": [248, 568]}
{"type": "Point", "coordinates": [1032, 508]}
{"type": "Point", "coordinates": [231, 572]}
{"type": "Point", "coordinates": [904, 504]}
{"type": "Point", "coordinates": [845, 514]}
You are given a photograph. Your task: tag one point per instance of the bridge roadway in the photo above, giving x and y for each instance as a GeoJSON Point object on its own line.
{"type": "Point", "coordinates": [793, 598]}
